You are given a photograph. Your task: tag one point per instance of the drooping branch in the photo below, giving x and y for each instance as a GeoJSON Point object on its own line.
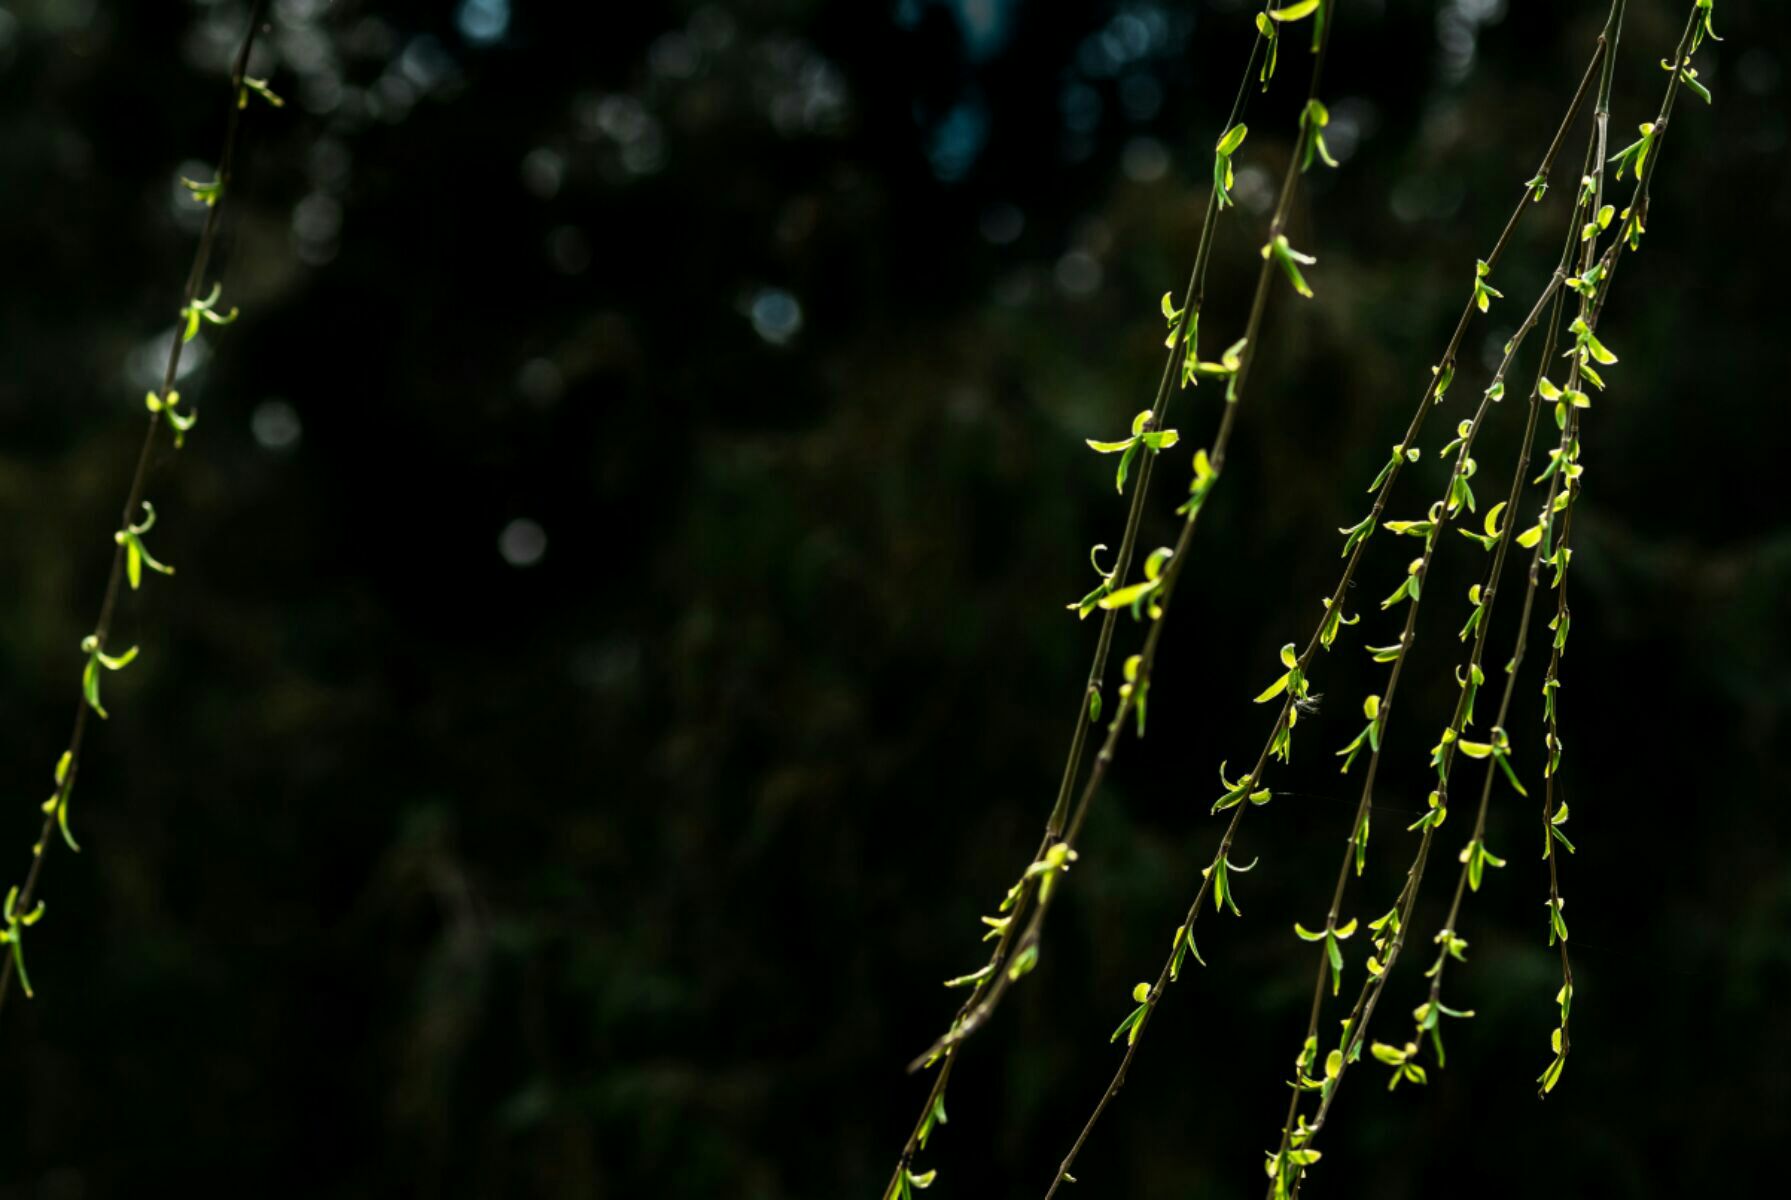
{"type": "Point", "coordinates": [129, 553]}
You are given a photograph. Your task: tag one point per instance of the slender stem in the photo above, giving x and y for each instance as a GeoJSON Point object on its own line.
{"type": "Point", "coordinates": [1590, 311]}
{"type": "Point", "coordinates": [1362, 1013]}
{"type": "Point", "coordinates": [1552, 296]}
{"type": "Point", "coordinates": [1414, 428]}
{"type": "Point", "coordinates": [988, 991]}
{"type": "Point", "coordinates": [1603, 57]}
{"type": "Point", "coordinates": [1549, 298]}
{"type": "Point", "coordinates": [1193, 301]}
{"type": "Point", "coordinates": [134, 494]}
{"type": "Point", "coordinates": [1147, 657]}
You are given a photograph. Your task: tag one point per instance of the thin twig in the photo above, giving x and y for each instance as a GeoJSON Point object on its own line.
{"type": "Point", "coordinates": [988, 990]}
{"type": "Point", "coordinates": [134, 495]}
{"type": "Point", "coordinates": [1251, 781]}
{"type": "Point", "coordinates": [1362, 1013]}
{"type": "Point", "coordinates": [1290, 1127]}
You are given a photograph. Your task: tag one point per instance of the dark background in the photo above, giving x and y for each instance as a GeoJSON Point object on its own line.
{"type": "Point", "coordinates": [420, 858]}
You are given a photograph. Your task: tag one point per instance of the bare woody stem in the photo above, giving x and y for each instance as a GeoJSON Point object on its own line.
{"type": "Point", "coordinates": [134, 494]}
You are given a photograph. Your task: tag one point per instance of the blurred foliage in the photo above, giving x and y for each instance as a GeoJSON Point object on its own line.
{"type": "Point", "coordinates": [619, 642]}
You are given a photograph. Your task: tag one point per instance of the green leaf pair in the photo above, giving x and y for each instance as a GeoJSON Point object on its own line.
{"type": "Point", "coordinates": [205, 310]}
{"type": "Point", "coordinates": [1291, 261]}
{"type": "Point", "coordinates": [97, 658]}
{"type": "Point", "coordinates": [1220, 874]}
{"type": "Point", "coordinates": [1330, 935]}
{"type": "Point", "coordinates": [1478, 858]}
{"type": "Point", "coordinates": [136, 555]}
{"type": "Point", "coordinates": [1142, 436]}
{"type": "Point", "coordinates": [1370, 735]}
{"type": "Point", "coordinates": [14, 934]}
{"type": "Point", "coordinates": [1223, 179]}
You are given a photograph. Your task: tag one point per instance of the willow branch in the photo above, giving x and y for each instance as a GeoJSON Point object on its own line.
{"type": "Point", "coordinates": [1361, 1015]}
{"type": "Point", "coordinates": [71, 762]}
{"type": "Point", "coordinates": [1288, 711]}
{"type": "Point", "coordinates": [992, 980]}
